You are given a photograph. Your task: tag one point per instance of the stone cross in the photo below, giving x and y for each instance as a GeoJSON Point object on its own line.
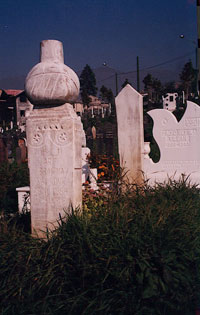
{"type": "Point", "coordinates": [129, 108]}
{"type": "Point", "coordinates": [53, 139]}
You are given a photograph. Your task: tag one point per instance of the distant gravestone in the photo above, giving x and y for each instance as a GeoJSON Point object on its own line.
{"type": "Point", "coordinates": [53, 138]}
{"type": "Point", "coordinates": [85, 164]}
{"type": "Point", "coordinates": [18, 155]}
{"type": "Point", "coordinates": [3, 151]}
{"type": "Point", "coordinates": [99, 141]}
{"type": "Point", "coordinates": [178, 143]}
{"type": "Point", "coordinates": [21, 144]}
{"type": "Point", "coordinates": [21, 152]}
{"type": "Point", "coordinates": [129, 108]}
{"type": "Point", "coordinates": [94, 132]}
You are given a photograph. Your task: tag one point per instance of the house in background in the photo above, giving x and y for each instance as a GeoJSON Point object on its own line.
{"type": "Point", "coordinates": [95, 107]}
{"type": "Point", "coordinates": [8, 107]}
{"type": "Point", "coordinates": [169, 101]}
{"type": "Point", "coordinates": [22, 107]}
{"type": "Point", "coordinates": [13, 106]}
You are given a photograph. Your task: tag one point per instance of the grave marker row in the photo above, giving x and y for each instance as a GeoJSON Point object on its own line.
{"type": "Point", "coordinates": [178, 141]}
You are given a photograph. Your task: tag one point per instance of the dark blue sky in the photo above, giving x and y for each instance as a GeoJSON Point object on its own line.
{"type": "Point", "coordinates": [94, 31]}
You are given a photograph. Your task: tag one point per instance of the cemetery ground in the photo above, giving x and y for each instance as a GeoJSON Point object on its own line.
{"type": "Point", "coordinates": [127, 252]}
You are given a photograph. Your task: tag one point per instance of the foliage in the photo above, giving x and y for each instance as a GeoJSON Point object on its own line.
{"type": "Point", "coordinates": [87, 84]}
{"type": "Point", "coordinates": [148, 136]}
{"type": "Point", "coordinates": [187, 77]}
{"type": "Point", "coordinates": [169, 87]}
{"type": "Point", "coordinates": [125, 83]}
{"type": "Point", "coordinates": [127, 253]}
{"type": "Point", "coordinates": [153, 87]}
{"type": "Point", "coordinates": [106, 94]}
{"type": "Point", "coordinates": [107, 166]}
{"type": "Point", "coordinates": [12, 176]}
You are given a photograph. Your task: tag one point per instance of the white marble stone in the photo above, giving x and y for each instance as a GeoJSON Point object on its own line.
{"type": "Point", "coordinates": [83, 136]}
{"type": "Point", "coordinates": [169, 101]}
{"type": "Point", "coordinates": [85, 164]}
{"type": "Point", "coordinates": [179, 146]}
{"type": "Point", "coordinates": [22, 194]}
{"type": "Point", "coordinates": [93, 178]}
{"type": "Point", "coordinates": [51, 82]}
{"type": "Point", "coordinates": [129, 107]}
{"type": "Point", "coordinates": [54, 156]}
{"type": "Point", "coordinates": [53, 139]}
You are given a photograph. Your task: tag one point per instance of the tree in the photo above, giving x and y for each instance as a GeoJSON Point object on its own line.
{"type": "Point", "coordinates": [106, 94]}
{"type": "Point", "coordinates": [87, 84]}
{"type": "Point", "coordinates": [187, 77]}
{"type": "Point", "coordinates": [125, 83]}
{"type": "Point", "coordinates": [103, 93]}
{"type": "Point", "coordinates": [157, 89]}
{"type": "Point", "coordinates": [148, 84]}
{"type": "Point", "coordinates": [169, 87]}
{"type": "Point", "coordinates": [153, 87]}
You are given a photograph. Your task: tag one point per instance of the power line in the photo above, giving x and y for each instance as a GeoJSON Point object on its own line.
{"type": "Point", "coordinates": [151, 67]}
{"type": "Point", "coordinates": [169, 61]}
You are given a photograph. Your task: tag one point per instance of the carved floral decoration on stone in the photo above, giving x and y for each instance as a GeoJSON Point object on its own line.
{"type": "Point", "coordinates": [37, 138]}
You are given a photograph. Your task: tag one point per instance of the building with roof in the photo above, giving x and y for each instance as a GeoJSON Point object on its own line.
{"type": "Point", "coordinates": [13, 105]}
{"type": "Point", "coordinates": [95, 107]}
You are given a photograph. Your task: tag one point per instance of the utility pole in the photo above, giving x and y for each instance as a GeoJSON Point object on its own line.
{"type": "Point", "coordinates": [198, 29]}
{"type": "Point", "coordinates": [138, 75]}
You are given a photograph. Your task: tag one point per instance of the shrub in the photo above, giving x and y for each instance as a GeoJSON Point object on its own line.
{"type": "Point", "coordinates": [107, 166]}
{"type": "Point", "coordinates": [133, 253]}
{"type": "Point", "coordinates": [12, 176]}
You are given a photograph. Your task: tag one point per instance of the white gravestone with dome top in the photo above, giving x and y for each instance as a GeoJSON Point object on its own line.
{"type": "Point", "coordinates": [53, 138]}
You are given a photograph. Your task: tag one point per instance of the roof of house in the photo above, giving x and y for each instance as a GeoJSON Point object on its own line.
{"type": "Point", "coordinates": [13, 92]}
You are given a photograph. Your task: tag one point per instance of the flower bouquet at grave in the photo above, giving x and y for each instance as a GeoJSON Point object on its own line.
{"type": "Point", "coordinates": [108, 167]}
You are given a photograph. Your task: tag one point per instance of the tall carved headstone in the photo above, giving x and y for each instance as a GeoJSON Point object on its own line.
{"type": "Point", "coordinates": [129, 108]}
{"type": "Point", "coordinates": [53, 139]}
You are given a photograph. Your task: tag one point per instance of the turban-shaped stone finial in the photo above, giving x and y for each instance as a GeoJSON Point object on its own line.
{"type": "Point", "coordinates": [51, 82]}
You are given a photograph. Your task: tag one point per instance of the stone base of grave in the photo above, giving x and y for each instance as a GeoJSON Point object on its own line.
{"type": "Point", "coordinates": [54, 147]}
{"type": "Point", "coordinates": [153, 179]}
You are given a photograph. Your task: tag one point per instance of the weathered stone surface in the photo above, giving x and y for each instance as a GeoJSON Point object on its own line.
{"type": "Point", "coordinates": [178, 143]}
{"type": "Point", "coordinates": [129, 107]}
{"type": "Point", "coordinates": [51, 82]}
{"type": "Point", "coordinates": [54, 154]}
{"type": "Point", "coordinates": [83, 136]}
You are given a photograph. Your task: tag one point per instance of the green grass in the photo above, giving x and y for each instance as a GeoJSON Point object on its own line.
{"type": "Point", "coordinates": [135, 252]}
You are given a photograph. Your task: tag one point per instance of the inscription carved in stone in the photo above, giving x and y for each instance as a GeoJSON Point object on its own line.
{"type": "Point", "coordinates": [178, 143]}
{"type": "Point", "coordinates": [55, 165]}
